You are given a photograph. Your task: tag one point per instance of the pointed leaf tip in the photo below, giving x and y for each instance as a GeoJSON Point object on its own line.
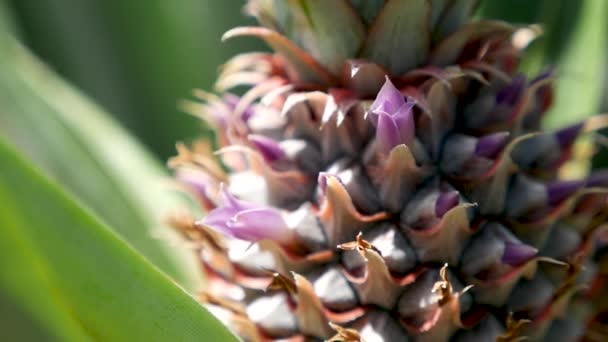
{"type": "Point", "coordinates": [445, 202]}
{"type": "Point", "coordinates": [568, 135]}
{"type": "Point", "coordinates": [560, 190]}
{"type": "Point", "coordinates": [490, 145]}
{"type": "Point", "coordinates": [393, 117]}
{"type": "Point", "coordinates": [517, 253]}
{"type": "Point", "coordinates": [389, 98]}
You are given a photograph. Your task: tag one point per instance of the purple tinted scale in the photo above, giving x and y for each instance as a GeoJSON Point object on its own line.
{"type": "Point", "coordinates": [517, 253]}
{"type": "Point", "coordinates": [445, 202]}
{"type": "Point", "coordinates": [511, 93]}
{"type": "Point", "coordinates": [490, 145]}
{"type": "Point", "coordinates": [598, 179]}
{"type": "Point", "coordinates": [566, 136]}
{"type": "Point", "coordinates": [559, 191]}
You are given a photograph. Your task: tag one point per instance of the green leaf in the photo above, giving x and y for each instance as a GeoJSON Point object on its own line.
{"type": "Point", "coordinates": [367, 9]}
{"type": "Point", "coordinates": [77, 278]}
{"type": "Point", "coordinates": [574, 41]}
{"type": "Point", "coordinates": [456, 15]}
{"type": "Point", "coordinates": [399, 37]}
{"type": "Point", "coordinates": [330, 31]}
{"type": "Point", "coordinates": [580, 65]}
{"type": "Point", "coordinates": [306, 67]}
{"type": "Point", "coordinates": [80, 146]}
{"type": "Point", "coordinates": [7, 21]}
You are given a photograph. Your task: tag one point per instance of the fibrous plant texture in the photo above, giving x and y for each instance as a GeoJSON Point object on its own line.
{"type": "Point", "coordinates": [387, 181]}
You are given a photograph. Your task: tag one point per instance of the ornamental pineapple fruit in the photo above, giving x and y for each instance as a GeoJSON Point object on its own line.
{"type": "Point", "coordinates": [388, 182]}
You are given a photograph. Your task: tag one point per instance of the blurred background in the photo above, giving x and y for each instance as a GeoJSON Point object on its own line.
{"type": "Point", "coordinates": [137, 58]}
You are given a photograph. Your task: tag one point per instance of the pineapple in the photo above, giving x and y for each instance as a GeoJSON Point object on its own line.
{"type": "Point", "coordinates": [388, 182]}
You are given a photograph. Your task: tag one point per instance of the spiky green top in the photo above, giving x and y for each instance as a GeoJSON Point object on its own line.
{"type": "Point", "coordinates": [387, 182]}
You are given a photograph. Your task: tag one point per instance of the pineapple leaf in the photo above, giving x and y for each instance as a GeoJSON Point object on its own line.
{"type": "Point", "coordinates": [81, 147]}
{"type": "Point", "coordinates": [303, 64]}
{"type": "Point", "coordinates": [76, 277]}
{"type": "Point", "coordinates": [449, 48]}
{"type": "Point", "coordinates": [455, 16]}
{"type": "Point", "coordinates": [367, 9]}
{"type": "Point", "coordinates": [581, 61]}
{"type": "Point", "coordinates": [330, 31]}
{"type": "Point", "coordinates": [400, 35]}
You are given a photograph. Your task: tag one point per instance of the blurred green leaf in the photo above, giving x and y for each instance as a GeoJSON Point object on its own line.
{"type": "Point", "coordinates": [574, 41]}
{"type": "Point", "coordinates": [515, 11]}
{"type": "Point", "coordinates": [579, 65]}
{"type": "Point", "coordinates": [72, 274]}
{"type": "Point", "coordinates": [7, 20]}
{"type": "Point", "coordinates": [80, 146]}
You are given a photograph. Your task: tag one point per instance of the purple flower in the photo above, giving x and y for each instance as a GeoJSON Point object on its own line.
{"type": "Point", "coordinates": [246, 221]}
{"type": "Point", "coordinates": [393, 118]}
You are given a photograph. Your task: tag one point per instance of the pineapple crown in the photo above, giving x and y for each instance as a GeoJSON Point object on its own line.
{"type": "Point", "coordinates": [386, 157]}
{"type": "Point", "coordinates": [325, 42]}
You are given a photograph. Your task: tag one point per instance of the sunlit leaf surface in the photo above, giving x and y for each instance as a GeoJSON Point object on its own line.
{"type": "Point", "coordinates": [76, 278]}
{"type": "Point", "coordinates": [79, 145]}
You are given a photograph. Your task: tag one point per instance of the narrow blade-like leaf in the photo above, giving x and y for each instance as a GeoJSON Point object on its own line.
{"type": "Point", "coordinates": [80, 146]}
{"type": "Point", "coordinates": [76, 277]}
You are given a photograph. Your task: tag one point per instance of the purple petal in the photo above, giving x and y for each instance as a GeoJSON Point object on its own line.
{"type": "Point", "coordinates": [389, 99]}
{"type": "Point", "coordinates": [218, 219]}
{"type": "Point", "coordinates": [488, 146]}
{"type": "Point", "coordinates": [257, 224]}
{"type": "Point", "coordinates": [510, 94]}
{"type": "Point", "coordinates": [445, 202]}
{"type": "Point", "coordinates": [404, 119]}
{"type": "Point", "coordinates": [387, 133]}
{"type": "Point", "coordinates": [559, 191]}
{"type": "Point", "coordinates": [197, 181]}
{"type": "Point", "coordinates": [246, 221]}
{"type": "Point", "coordinates": [270, 149]}
{"type": "Point", "coordinates": [517, 253]}
{"type": "Point", "coordinates": [566, 136]}
{"type": "Point", "coordinates": [228, 200]}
